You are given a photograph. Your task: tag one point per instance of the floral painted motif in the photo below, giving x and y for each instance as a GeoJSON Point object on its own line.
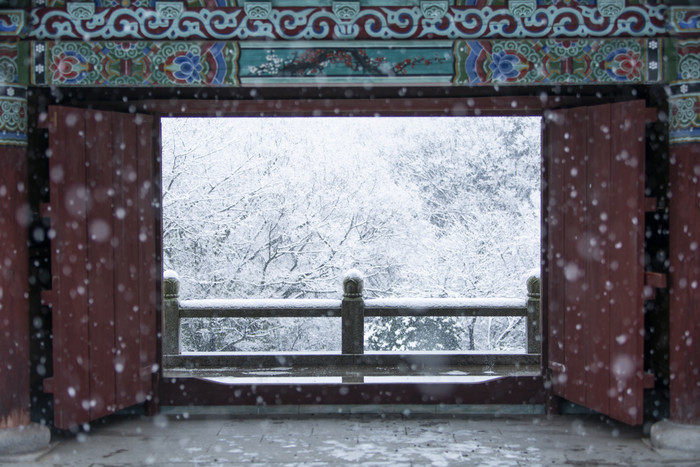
{"type": "Point", "coordinates": [624, 65]}
{"type": "Point", "coordinates": [346, 64]}
{"type": "Point", "coordinates": [584, 61]}
{"type": "Point", "coordinates": [69, 67]}
{"type": "Point", "coordinates": [135, 63]}
{"type": "Point", "coordinates": [508, 66]}
{"type": "Point", "coordinates": [545, 61]}
{"type": "Point", "coordinates": [184, 68]}
{"type": "Point", "coordinates": [312, 62]}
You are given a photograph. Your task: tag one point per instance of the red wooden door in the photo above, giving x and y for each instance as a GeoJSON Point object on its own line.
{"type": "Point", "coordinates": [594, 224]}
{"type": "Point", "coordinates": [103, 262]}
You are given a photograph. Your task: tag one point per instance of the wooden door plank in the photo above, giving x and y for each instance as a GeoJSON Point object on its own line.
{"type": "Point", "coordinates": [601, 267]}
{"type": "Point", "coordinates": [554, 213]}
{"type": "Point", "coordinates": [693, 281]}
{"type": "Point", "coordinates": [98, 127]}
{"type": "Point", "coordinates": [70, 318]}
{"type": "Point", "coordinates": [98, 298]}
{"type": "Point", "coordinates": [678, 272]}
{"type": "Point", "coordinates": [575, 289]}
{"type": "Point", "coordinates": [684, 285]}
{"type": "Point", "coordinates": [127, 321]}
{"type": "Point", "coordinates": [626, 262]}
{"type": "Point", "coordinates": [597, 255]}
{"type": "Point", "coordinates": [147, 253]}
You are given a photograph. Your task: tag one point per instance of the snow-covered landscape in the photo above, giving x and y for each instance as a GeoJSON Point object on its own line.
{"type": "Point", "coordinates": [281, 208]}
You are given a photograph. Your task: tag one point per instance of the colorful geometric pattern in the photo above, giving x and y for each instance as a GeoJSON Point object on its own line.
{"type": "Point", "coordinates": [134, 63]}
{"type": "Point", "coordinates": [9, 70]}
{"type": "Point", "coordinates": [550, 61]}
{"type": "Point", "coordinates": [684, 20]}
{"type": "Point", "coordinates": [136, 3]}
{"type": "Point", "coordinates": [345, 63]}
{"type": "Point", "coordinates": [13, 115]}
{"type": "Point", "coordinates": [688, 67]}
{"type": "Point", "coordinates": [545, 61]}
{"type": "Point", "coordinates": [306, 3]}
{"type": "Point", "coordinates": [11, 22]}
{"type": "Point", "coordinates": [322, 23]}
{"type": "Point", "coordinates": [684, 121]}
{"type": "Point", "coordinates": [684, 104]}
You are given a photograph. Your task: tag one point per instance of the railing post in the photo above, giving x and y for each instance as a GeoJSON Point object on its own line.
{"type": "Point", "coordinates": [352, 313]}
{"type": "Point", "coordinates": [534, 328]}
{"type": "Point", "coordinates": [171, 313]}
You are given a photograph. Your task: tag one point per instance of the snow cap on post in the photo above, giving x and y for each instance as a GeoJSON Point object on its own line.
{"type": "Point", "coordinates": [533, 286]}
{"type": "Point", "coordinates": [353, 284]}
{"type": "Point", "coordinates": [171, 285]}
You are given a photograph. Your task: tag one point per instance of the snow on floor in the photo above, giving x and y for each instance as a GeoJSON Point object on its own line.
{"type": "Point", "coordinates": [367, 439]}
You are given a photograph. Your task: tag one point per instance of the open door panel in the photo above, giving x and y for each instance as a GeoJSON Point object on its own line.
{"type": "Point", "coordinates": [103, 262]}
{"type": "Point", "coordinates": [594, 218]}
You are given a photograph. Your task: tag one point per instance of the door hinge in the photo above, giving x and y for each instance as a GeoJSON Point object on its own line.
{"type": "Point", "coordinates": [48, 385]}
{"type": "Point", "coordinates": [653, 281]}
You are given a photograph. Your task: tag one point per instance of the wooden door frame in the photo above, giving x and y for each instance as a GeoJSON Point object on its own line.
{"type": "Point", "coordinates": [506, 390]}
{"type": "Point", "coordinates": [511, 390]}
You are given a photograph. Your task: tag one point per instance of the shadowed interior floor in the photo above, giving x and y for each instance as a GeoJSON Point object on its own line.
{"type": "Point", "coordinates": [372, 439]}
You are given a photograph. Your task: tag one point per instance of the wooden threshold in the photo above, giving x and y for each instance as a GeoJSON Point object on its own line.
{"type": "Point", "coordinates": [198, 391]}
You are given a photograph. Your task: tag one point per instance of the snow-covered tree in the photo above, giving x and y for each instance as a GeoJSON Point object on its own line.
{"type": "Point", "coordinates": [280, 208]}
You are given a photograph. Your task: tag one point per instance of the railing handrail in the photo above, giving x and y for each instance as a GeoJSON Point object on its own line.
{"type": "Point", "coordinates": [259, 308]}
{"type": "Point", "coordinates": [352, 310]}
{"type": "Point", "coordinates": [374, 307]}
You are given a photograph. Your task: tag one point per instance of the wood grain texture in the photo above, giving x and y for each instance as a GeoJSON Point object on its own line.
{"type": "Point", "coordinates": [104, 287]}
{"type": "Point", "coordinates": [595, 258]}
{"type": "Point", "coordinates": [101, 262]}
{"type": "Point", "coordinates": [69, 222]}
{"type": "Point", "coordinates": [14, 304]}
{"type": "Point", "coordinates": [597, 250]}
{"type": "Point", "coordinates": [684, 271]}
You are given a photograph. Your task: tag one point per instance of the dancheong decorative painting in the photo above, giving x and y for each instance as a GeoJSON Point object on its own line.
{"type": "Point", "coordinates": [204, 43]}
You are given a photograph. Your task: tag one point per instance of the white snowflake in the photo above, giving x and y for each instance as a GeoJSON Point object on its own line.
{"type": "Point", "coordinates": [39, 48]}
{"type": "Point", "coordinates": [39, 68]}
{"type": "Point", "coordinates": [653, 45]}
{"type": "Point", "coordinates": [653, 65]}
{"type": "Point", "coordinates": [10, 92]}
{"type": "Point", "coordinates": [684, 88]}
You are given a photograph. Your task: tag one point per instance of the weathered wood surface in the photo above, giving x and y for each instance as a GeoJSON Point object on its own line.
{"type": "Point", "coordinates": [104, 270]}
{"type": "Point", "coordinates": [595, 257]}
{"type": "Point", "coordinates": [14, 287]}
{"type": "Point", "coordinates": [400, 362]}
{"type": "Point", "coordinates": [684, 230]}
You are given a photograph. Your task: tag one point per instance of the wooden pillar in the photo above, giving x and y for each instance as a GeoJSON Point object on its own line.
{"type": "Point", "coordinates": [14, 303]}
{"type": "Point", "coordinates": [17, 434]}
{"type": "Point", "coordinates": [684, 270]}
{"type": "Point", "coordinates": [684, 231]}
{"type": "Point", "coordinates": [14, 221]}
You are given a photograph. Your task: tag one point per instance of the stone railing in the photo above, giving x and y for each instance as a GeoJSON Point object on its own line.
{"type": "Point", "coordinates": [352, 310]}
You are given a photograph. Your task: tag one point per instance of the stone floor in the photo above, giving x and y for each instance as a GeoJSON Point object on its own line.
{"type": "Point", "coordinates": [356, 439]}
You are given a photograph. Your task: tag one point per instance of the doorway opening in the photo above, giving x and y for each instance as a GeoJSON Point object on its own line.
{"type": "Point", "coordinates": [281, 208]}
